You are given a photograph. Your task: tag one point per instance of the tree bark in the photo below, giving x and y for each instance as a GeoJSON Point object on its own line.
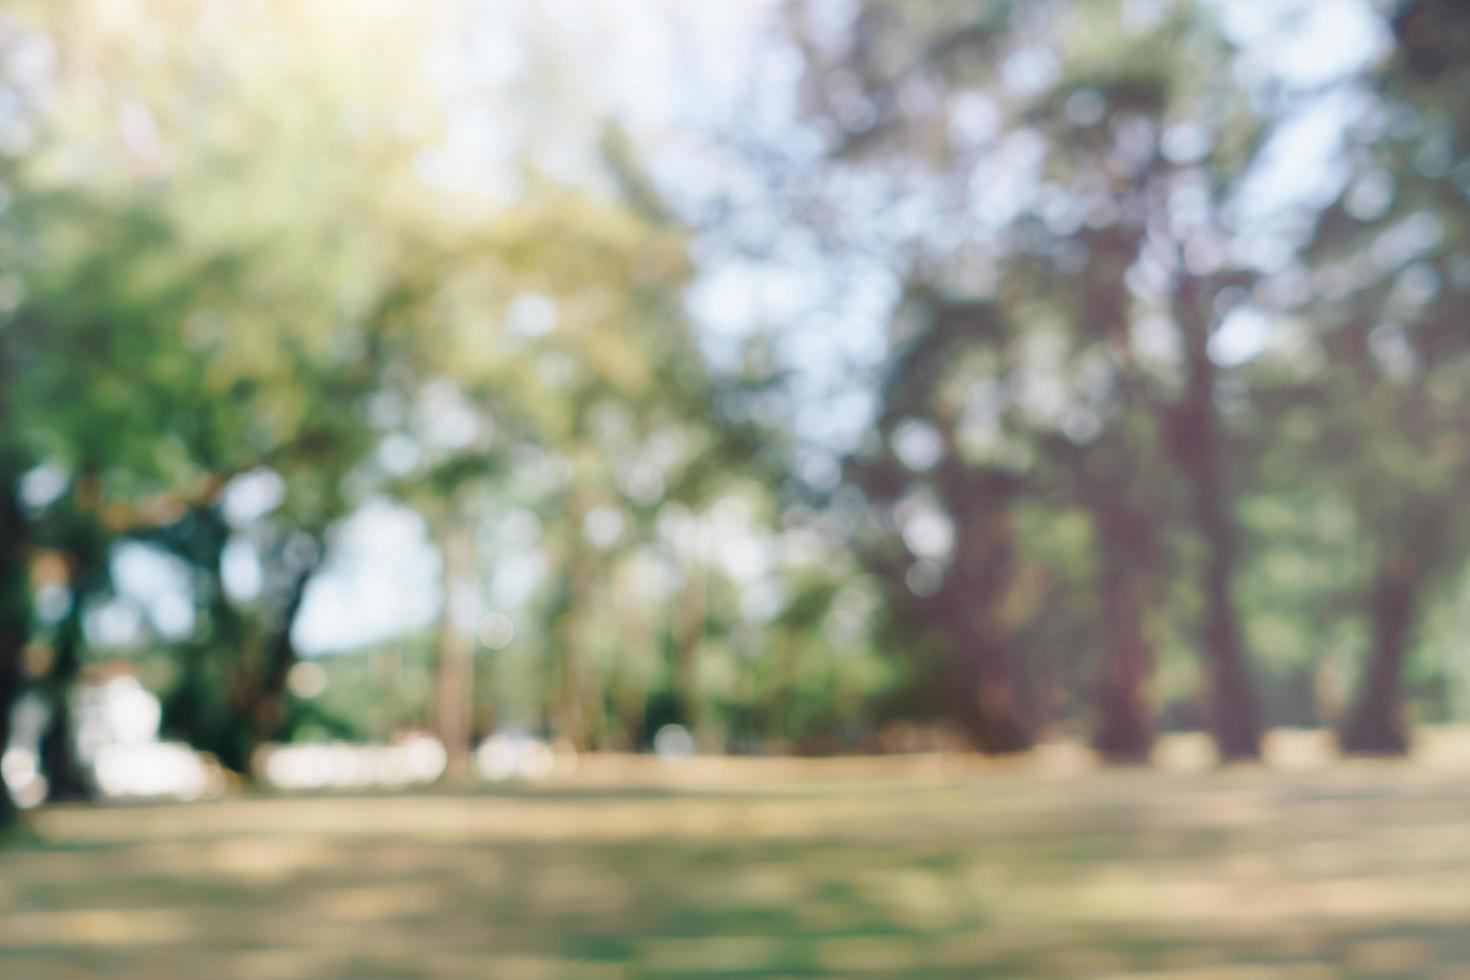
{"type": "Point", "coordinates": [268, 711]}
{"type": "Point", "coordinates": [1125, 729]}
{"type": "Point", "coordinates": [202, 708]}
{"type": "Point", "coordinates": [58, 756]}
{"type": "Point", "coordinates": [1198, 446]}
{"type": "Point", "coordinates": [628, 695]}
{"type": "Point", "coordinates": [9, 691]}
{"type": "Point", "coordinates": [985, 700]}
{"type": "Point", "coordinates": [972, 601]}
{"type": "Point", "coordinates": [688, 635]}
{"type": "Point", "coordinates": [1376, 725]}
{"type": "Point", "coordinates": [455, 664]}
{"type": "Point", "coordinates": [1235, 717]}
{"type": "Point", "coordinates": [15, 608]}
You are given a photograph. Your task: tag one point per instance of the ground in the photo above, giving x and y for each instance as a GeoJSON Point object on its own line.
{"type": "Point", "coordinates": [929, 867]}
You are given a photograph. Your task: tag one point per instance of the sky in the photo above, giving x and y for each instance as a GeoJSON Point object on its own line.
{"type": "Point", "coordinates": [668, 70]}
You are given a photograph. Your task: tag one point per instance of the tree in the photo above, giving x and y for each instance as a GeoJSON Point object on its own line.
{"type": "Point", "coordinates": [959, 587]}
{"type": "Point", "coordinates": [1385, 409]}
{"type": "Point", "coordinates": [1100, 163]}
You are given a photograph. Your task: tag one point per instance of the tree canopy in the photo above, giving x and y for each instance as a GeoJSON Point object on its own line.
{"type": "Point", "coordinates": [1081, 412]}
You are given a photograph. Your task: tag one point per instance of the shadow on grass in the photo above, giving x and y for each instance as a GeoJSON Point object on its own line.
{"type": "Point", "coordinates": [1104, 876]}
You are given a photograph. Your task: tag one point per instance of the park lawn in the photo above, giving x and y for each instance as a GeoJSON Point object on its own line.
{"type": "Point", "coordinates": [878, 868]}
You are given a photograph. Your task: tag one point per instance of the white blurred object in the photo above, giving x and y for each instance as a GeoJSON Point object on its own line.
{"type": "Point", "coordinates": [415, 761]}
{"type": "Point", "coordinates": [154, 770]}
{"type": "Point", "coordinates": [306, 680]}
{"type": "Point", "coordinates": [1185, 752]}
{"type": "Point", "coordinates": [20, 766]}
{"type": "Point", "coordinates": [514, 755]}
{"type": "Point", "coordinates": [673, 743]}
{"type": "Point", "coordinates": [496, 630]}
{"type": "Point", "coordinates": [21, 771]}
{"type": "Point", "coordinates": [117, 742]}
{"type": "Point", "coordinates": [118, 711]}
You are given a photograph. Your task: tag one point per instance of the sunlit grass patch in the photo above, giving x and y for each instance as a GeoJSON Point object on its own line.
{"type": "Point", "coordinates": [1351, 871]}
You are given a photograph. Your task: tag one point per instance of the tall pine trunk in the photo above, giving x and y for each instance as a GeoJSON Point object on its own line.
{"type": "Point", "coordinates": [1198, 448]}
{"type": "Point", "coordinates": [985, 696]}
{"type": "Point", "coordinates": [972, 605]}
{"type": "Point", "coordinates": [1235, 716]}
{"type": "Point", "coordinates": [1125, 730]}
{"type": "Point", "coordinates": [1376, 725]}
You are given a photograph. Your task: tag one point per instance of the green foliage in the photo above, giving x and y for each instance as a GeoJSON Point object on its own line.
{"type": "Point", "coordinates": [229, 252]}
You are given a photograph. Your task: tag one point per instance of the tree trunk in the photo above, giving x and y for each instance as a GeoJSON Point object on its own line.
{"type": "Point", "coordinates": [1198, 447]}
{"type": "Point", "coordinates": [972, 604]}
{"type": "Point", "coordinates": [688, 633]}
{"type": "Point", "coordinates": [455, 665]}
{"type": "Point", "coordinates": [9, 691]}
{"type": "Point", "coordinates": [58, 756]}
{"type": "Point", "coordinates": [628, 687]}
{"type": "Point", "coordinates": [203, 707]}
{"type": "Point", "coordinates": [10, 678]}
{"type": "Point", "coordinates": [1376, 725]}
{"type": "Point", "coordinates": [1234, 714]}
{"type": "Point", "coordinates": [1125, 724]}
{"type": "Point", "coordinates": [985, 697]}
{"type": "Point", "coordinates": [257, 683]}
{"type": "Point", "coordinates": [15, 604]}
{"type": "Point", "coordinates": [268, 712]}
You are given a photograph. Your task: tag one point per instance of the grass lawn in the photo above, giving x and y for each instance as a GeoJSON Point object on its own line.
{"type": "Point", "coordinates": [880, 868]}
